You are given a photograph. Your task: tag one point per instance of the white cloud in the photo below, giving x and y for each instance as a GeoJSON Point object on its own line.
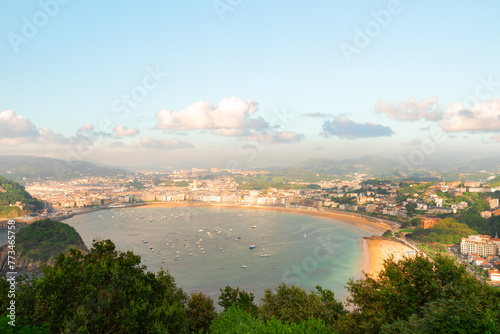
{"type": "Point", "coordinates": [411, 110]}
{"type": "Point", "coordinates": [13, 126]}
{"type": "Point", "coordinates": [275, 137]}
{"type": "Point", "coordinates": [484, 117]}
{"type": "Point", "coordinates": [230, 113]}
{"type": "Point", "coordinates": [125, 132]}
{"type": "Point", "coordinates": [47, 136]}
{"type": "Point", "coordinates": [164, 144]}
{"type": "Point", "coordinates": [86, 128]}
{"type": "Point", "coordinates": [316, 114]}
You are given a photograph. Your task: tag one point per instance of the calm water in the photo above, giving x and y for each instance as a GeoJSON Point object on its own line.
{"type": "Point", "coordinates": [329, 255]}
{"type": "Point", "coordinates": [298, 249]}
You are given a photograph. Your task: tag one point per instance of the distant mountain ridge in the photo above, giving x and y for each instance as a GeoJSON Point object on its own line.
{"type": "Point", "coordinates": [370, 164]}
{"type": "Point", "coordinates": [17, 167]}
{"type": "Point", "coordinates": [383, 167]}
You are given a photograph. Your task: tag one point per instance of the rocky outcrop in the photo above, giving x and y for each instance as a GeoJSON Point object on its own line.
{"type": "Point", "coordinates": [22, 265]}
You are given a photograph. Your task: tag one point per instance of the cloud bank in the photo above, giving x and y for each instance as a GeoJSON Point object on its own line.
{"type": "Point", "coordinates": [347, 129]}
{"type": "Point", "coordinates": [411, 110]}
{"type": "Point", "coordinates": [483, 117]}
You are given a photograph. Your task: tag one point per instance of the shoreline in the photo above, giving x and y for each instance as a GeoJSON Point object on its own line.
{"type": "Point", "coordinates": [368, 224]}
{"type": "Point", "coordinates": [373, 253]}
{"type": "Point", "coordinates": [376, 249]}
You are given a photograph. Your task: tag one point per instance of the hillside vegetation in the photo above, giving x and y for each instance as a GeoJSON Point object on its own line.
{"type": "Point", "coordinates": [33, 168]}
{"type": "Point", "coordinates": [12, 192]}
{"type": "Point", "coordinates": [45, 239]}
{"type": "Point", "coordinates": [108, 291]}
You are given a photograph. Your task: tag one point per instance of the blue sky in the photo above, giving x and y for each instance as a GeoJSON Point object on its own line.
{"type": "Point", "coordinates": [239, 83]}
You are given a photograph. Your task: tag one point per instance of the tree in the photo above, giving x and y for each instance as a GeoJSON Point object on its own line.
{"type": "Point", "coordinates": [237, 321]}
{"type": "Point", "coordinates": [410, 209]}
{"type": "Point", "coordinates": [104, 291]}
{"type": "Point", "coordinates": [416, 222]}
{"type": "Point", "coordinates": [450, 316]}
{"type": "Point", "coordinates": [200, 312]}
{"type": "Point", "coordinates": [403, 288]}
{"type": "Point", "coordinates": [241, 299]}
{"type": "Point", "coordinates": [294, 304]}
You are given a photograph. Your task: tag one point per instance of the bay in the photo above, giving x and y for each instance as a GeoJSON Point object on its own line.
{"type": "Point", "coordinates": [207, 248]}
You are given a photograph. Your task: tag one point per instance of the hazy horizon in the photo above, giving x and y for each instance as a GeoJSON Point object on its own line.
{"type": "Point", "coordinates": [249, 83]}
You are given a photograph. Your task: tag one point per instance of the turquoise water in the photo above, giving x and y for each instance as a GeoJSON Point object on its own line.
{"type": "Point", "coordinates": [297, 249]}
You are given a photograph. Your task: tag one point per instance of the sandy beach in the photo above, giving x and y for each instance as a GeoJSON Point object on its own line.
{"type": "Point", "coordinates": [377, 249]}
{"type": "Point", "coordinates": [368, 224]}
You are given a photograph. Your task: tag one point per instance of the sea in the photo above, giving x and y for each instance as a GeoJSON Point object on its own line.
{"type": "Point", "coordinates": [208, 248]}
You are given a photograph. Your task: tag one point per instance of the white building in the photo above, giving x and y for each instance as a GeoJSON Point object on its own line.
{"type": "Point", "coordinates": [482, 245]}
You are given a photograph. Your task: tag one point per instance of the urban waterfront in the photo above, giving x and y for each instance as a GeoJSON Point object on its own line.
{"type": "Point", "coordinates": [207, 248]}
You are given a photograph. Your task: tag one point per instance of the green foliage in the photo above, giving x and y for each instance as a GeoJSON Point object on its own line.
{"type": "Point", "coordinates": [495, 182]}
{"type": "Point", "coordinates": [238, 321]}
{"type": "Point", "coordinates": [104, 291]}
{"type": "Point", "coordinates": [387, 233]}
{"type": "Point", "coordinates": [403, 288]}
{"type": "Point", "coordinates": [170, 183]}
{"type": "Point", "coordinates": [416, 222]}
{"type": "Point", "coordinates": [10, 211]}
{"type": "Point", "coordinates": [344, 200]}
{"type": "Point", "coordinates": [410, 209]}
{"type": "Point", "coordinates": [45, 239]}
{"type": "Point", "coordinates": [6, 328]}
{"type": "Point", "coordinates": [14, 192]}
{"type": "Point", "coordinates": [265, 181]}
{"type": "Point", "coordinates": [445, 231]}
{"type": "Point", "coordinates": [450, 316]}
{"type": "Point", "coordinates": [137, 185]}
{"type": "Point", "coordinates": [241, 299]}
{"type": "Point", "coordinates": [410, 189]}
{"type": "Point", "coordinates": [293, 304]}
{"type": "Point", "coordinates": [473, 219]}
{"type": "Point", "coordinates": [475, 201]}
{"type": "Point", "coordinates": [200, 312]}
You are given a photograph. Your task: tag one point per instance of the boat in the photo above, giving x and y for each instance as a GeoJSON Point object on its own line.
{"type": "Point", "coordinates": [255, 226]}
{"type": "Point", "coordinates": [244, 266]}
{"type": "Point", "coordinates": [252, 246]}
{"type": "Point", "coordinates": [305, 236]}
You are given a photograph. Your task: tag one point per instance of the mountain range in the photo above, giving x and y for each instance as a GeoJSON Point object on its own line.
{"type": "Point", "coordinates": [24, 168]}
{"type": "Point", "coordinates": [29, 168]}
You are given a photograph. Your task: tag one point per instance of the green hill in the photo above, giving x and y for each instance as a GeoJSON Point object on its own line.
{"type": "Point", "coordinates": [24, 168]}
{"type": "Point", "coordinates": [369, 164]}
{"type": "Point", "coordinates": [45, 239]}
{"type": "Point", "coordinates": [12, 192]}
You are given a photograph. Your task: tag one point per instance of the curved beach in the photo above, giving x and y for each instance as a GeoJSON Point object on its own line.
{"type": "Point", "coordinates": [375, 250]}
{"type": "Point", "coordinates": [369, 224]}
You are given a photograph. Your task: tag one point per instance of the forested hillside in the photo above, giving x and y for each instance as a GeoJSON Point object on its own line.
{"type": "Point", "coordinates": [12, 192]}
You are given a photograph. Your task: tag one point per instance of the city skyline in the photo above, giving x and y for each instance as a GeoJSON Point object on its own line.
{"type": "Point", "coordinates": [248, 84]}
